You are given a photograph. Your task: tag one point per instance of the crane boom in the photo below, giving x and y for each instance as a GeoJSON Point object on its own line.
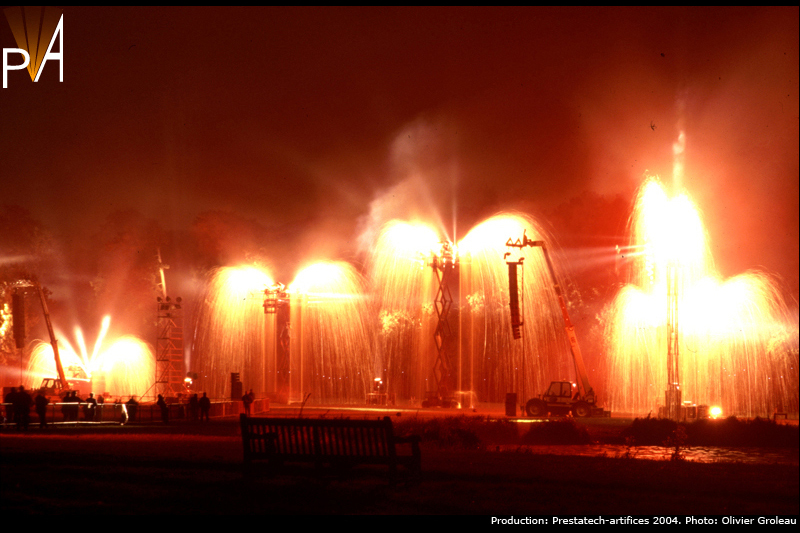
{"type": "Point", "coordinates": [62, 377]}
{"type": "Point", "coordinates": [577, 356]}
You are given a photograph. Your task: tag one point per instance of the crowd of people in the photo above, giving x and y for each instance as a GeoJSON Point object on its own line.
{"type": "Point", "coordinates": [18, 403]}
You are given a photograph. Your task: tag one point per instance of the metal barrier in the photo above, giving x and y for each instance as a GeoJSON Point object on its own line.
{"type": "Point", "coordinates": [121, 413]}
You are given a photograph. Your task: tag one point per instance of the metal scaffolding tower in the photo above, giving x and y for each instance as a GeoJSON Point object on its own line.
{"type": "Point", "coordinates": [276, 302]}
{"type": "Point", "coordinates": [444, 266]}
{"type": "Point", "coordinates": [170, 370]}
{"type": "Point", "coordinates": [673, 392]}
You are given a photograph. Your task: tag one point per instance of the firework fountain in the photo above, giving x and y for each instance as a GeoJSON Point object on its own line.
{"type": "Point", "coordinates": [318, 344]}
{"type": "Point", "coordinates": [487, 363]}
{"type": "Point", "coordinates": [120, 367]}
{"type": "Point", "coordinates": [232, 334]}
{"type": "Point", "coordinates": [732, 342]}
{"type": "Point", "coordinates": [331, 335]}
{"type": "Point", "coordinates": [497, 363]}
{"type": "Point", "coordinates": [404, 295]}
{"type": "Point", "coordinates": [729, 342]}
{"type": "Point", "coordinates": [339, 332]}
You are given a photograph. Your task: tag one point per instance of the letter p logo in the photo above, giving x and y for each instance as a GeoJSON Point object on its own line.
{"type": "Point", "coordinates": [7, 67]}
{"type": "Point", "coordinates": [35, 29]}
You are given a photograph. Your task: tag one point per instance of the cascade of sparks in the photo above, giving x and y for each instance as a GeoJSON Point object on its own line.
{"type": "Point", "coordinates": [332, 356]}
{"type": "Point", "coordinates": [404, 291]}
{"type": "Point", "coordinates": [488, 363]}
{"type": "Point", "coordinates": [493, 362]}
{"type": "Point", "coordinates": [738, 343]}
{"type": "Point", "coordinates": [341, 339]}
{"type": "Point", "coordinates": [329, 336]}
{"type": "Point", "coordinates": [230, 335]}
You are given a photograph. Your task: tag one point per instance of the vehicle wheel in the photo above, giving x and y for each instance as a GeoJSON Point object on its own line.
{"type": "Point", "coordinates": [536, 408]}
{"type": "Point", "coordinates": [581, 410]}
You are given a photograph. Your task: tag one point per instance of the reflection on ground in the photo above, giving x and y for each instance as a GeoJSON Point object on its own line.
{"type": "Point", "coordinates": [700, 454]}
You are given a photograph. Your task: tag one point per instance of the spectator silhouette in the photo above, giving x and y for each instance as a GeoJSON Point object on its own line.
{"type": "Point", "coordinates": [194, 407]}
{"type": "Point", "coordinates": [100, 402]}
{"type": "Point", "coordinates": [247, 400]}
{"type": "Point", "coordinates": [132, 406]}
{"type": "Point", "coordinates": [10, 401]}
{"type": "Point", "coordinates": [74, 404]}
{"type": "Point", "coordinates": [164, 409]}
{"type": "Point", "coordinates": [41, 402]}
{"type": "Point", "coordinates": [22, 408]}
{"type": "Point", "coordinates": [205, 407]}
{"type": "Point", "coordinates": [65, 406]}
{"type": "Point", "coordinates": [90, 408]}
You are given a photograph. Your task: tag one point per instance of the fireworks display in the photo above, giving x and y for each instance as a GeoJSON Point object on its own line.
{"type": "Point", "coordinates": [121, 367]}
{"type": "Point", "coordinates": [346, 331]}
{"type": "Point", "coordinates": [231, 332]}
{"type": "Point", "coordinates": [340, 214]}
{"type": "Point", "coordinates": [737, 341]}
{"type": "Point", "coordinates": [343, 329]}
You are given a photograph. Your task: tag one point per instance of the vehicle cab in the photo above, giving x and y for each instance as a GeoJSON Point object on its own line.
{"type": "Point", "coordinates": [561, 392]}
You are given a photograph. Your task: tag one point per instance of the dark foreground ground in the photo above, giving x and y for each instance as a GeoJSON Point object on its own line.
{"type": "Point", "coordinates": [191, 469]}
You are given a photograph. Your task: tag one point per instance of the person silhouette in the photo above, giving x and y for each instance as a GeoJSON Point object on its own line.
{"type": "Point", "coordinates": [131, 406]}
{"type": "Point", "coordinates": [100, 402]}
{"type": "Point", "coordinates": [164, 409]}
{"type": "Point", "coordinates": [22, 407]}
{"type": "Point", "coordinates": [90, 408]}
{"type": "Point", "coordinates": [11, 406]}
{"type": "Point", "coordinates": [74, 404]}
{"type": "Point", "coordinates": [41, 402]}
{"type": "Point", "coordinates": [247, 400]}
{"type": "Point", "coordinates": [194, 407]}
{"type": "Point", "coordinates": [205, 407]}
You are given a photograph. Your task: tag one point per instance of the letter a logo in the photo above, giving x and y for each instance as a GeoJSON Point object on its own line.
{"type": "Point", "coordinates": [35, 30]}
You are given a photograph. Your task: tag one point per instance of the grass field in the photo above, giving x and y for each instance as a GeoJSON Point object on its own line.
{"type": "Point", "coordinates": [197, 469]}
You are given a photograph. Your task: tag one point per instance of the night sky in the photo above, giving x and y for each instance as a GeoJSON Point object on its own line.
{"type": "Point", "coordinates": [318, 124]}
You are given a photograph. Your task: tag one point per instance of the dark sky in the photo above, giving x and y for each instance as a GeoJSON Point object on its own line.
{"type": "Point", "coordinates": [322, 122]}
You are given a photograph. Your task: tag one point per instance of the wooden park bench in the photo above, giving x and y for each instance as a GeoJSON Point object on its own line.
{"type": "Point", "coordinates": [337, 444]}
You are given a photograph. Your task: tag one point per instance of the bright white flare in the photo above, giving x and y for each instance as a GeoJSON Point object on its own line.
{"type": "Point", "coordinates": [124, 366]}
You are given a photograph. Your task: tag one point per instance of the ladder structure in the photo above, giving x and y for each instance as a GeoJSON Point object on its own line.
{"type": "Point", "coordinates": [277, 302]}
{"type": "Point", "coordinates": [673, 392]}
{"type": "Point", "coordinates": [444, 266]}
{"type": "Point", "coordinates": [170, 370]}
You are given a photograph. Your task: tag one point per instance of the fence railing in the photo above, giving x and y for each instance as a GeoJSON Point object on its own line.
{"type": "Point", "coordinates": [121, 413]}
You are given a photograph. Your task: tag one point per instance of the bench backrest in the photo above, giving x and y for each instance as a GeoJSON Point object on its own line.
{"type": "Point", "coordinates": [308, 437]}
